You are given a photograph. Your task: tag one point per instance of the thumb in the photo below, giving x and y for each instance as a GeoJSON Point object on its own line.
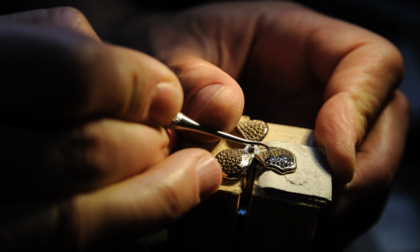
{"type": "Point", "coordinates": [212, 97]}
{"type": "Point", "coordinates": [149, 201]}
{"type": "Point", "coordinates": [135, 206]}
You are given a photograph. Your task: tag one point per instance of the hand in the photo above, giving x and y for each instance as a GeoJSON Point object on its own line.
{"type": "Point", "coordinates": [83, 157]}
{"type": "Point", "coordinates": [295, 67]}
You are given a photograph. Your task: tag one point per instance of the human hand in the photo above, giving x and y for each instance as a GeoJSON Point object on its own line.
{"type": "Point", "coordinates": [83, 156]}
{"type": "Point", "coordinates": [295, 67]}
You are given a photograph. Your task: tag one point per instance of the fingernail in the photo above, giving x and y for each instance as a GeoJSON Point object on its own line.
{"type": "Point", "coordinates": [209, 175]}
{"type": "Point", "coordinates": [167, 99]}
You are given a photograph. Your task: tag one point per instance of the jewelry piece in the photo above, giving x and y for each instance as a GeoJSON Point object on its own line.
{"type": "Point", "coordinates": [235, 162]}
{"type": "Point", "coordinates": [254, 130]}
{"type": "Point", "coordinates": [279, 160]}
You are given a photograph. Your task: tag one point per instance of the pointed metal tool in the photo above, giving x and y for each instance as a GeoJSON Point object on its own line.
{"type": "Point", "coordinates": [182, 122]}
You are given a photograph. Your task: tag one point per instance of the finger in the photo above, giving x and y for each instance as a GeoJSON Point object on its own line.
{"type": "Point", "coordinates": [62, 74]}
{"type": "Point", "coordinates": [138, 87]}
{"type": "Point", "coordinates": [63, 17]}
{"type": "Point", "coordinates": [81, 158]}
{"type": "Point", "coordinates": [379, 156]}
{"type": "Point", "coordinates": [361, 81]}
{"type": "Point", "coordinates": [133, 207]}
{"type": "Point", "coordinates": [212, 97]}
{"type": "Point", "coordinates": [150, 200]}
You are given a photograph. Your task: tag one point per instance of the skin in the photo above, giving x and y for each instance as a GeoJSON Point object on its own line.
{"type": "Point", "coordinates": [109, 171]}
{"type": "Point", "coordinates": [97, 162]}
{"type": "Point", "coordinates": [296, 67]}
{"type": "Point", "coordinates": [320, 73]}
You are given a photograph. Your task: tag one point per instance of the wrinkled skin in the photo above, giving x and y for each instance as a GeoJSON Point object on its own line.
{"type": "Point", "coordinates": [108, 171]}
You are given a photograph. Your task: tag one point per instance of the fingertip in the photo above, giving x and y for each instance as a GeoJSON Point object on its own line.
{"type": "Point", "coordinates": [217, 106]}
{"type": "Point", "coordinates": [166, 102]}
{"type": "Point", "coordinates": [149, 200]}
{"type": "Point", "coordinates": [159, 94]}
{"type": "Point", "coordinates": [201, 170]}
{"type": "Point", "coordinates": [141, 88]}
{"type": "Point", "coordinates": [212, 97]}
{"type": "Point", "coordinates": [403, 104]}
{"type": "Point", "coordinates": [341, 158]}
{"type": "Point", "coordinates": [337, 133]}
{"type": "Point", "coordinates": [342, 161]}
{"type": "Point", "coordinates": [209, 175]}
{"type": "Point", "coordinates": [191, 174]}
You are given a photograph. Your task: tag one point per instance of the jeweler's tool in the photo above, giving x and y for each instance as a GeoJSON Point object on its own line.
{"type": "Point", "coordinates": [182, 122]}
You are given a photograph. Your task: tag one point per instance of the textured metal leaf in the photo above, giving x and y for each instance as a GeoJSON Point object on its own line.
{"type": "Point", "coordinates": [234, 162]}
{"type": "Point", "coordinates": [279, 160]}
{"type": "Point", "coordinates": [254, 130]}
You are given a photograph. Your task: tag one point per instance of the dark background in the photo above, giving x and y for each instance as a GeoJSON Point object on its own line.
{"type": "Point", "coordinates": [399, 21]}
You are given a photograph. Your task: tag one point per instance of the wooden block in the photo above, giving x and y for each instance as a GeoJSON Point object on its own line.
{"type": "Point", "coordinates": [284, 209]}
{"type": "Point", "coordinates": [264, 211]}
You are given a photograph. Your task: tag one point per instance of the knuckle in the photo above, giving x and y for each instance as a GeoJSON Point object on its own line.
{"type": "Point", "coordinates": [64, 15]}
{"type": "Point", "coordinates": [75, 156]}
{"type": "Point", "coordinates": [93, 150]}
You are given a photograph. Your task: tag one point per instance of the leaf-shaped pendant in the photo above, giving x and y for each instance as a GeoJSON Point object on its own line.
{"type": "Point", "coordinates": [234, 162]}
{"type": "Point", "coordinates": [279, 160]}
{"type": "Point", "coordinates": [254, 130]}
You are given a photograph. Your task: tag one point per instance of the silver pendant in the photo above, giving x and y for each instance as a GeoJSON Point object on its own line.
{"type": "Point", "coordinates": [235, 162]}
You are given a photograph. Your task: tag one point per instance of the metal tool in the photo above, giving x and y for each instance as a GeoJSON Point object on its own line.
{"type": "Point", "coordinates": [182, 122]}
